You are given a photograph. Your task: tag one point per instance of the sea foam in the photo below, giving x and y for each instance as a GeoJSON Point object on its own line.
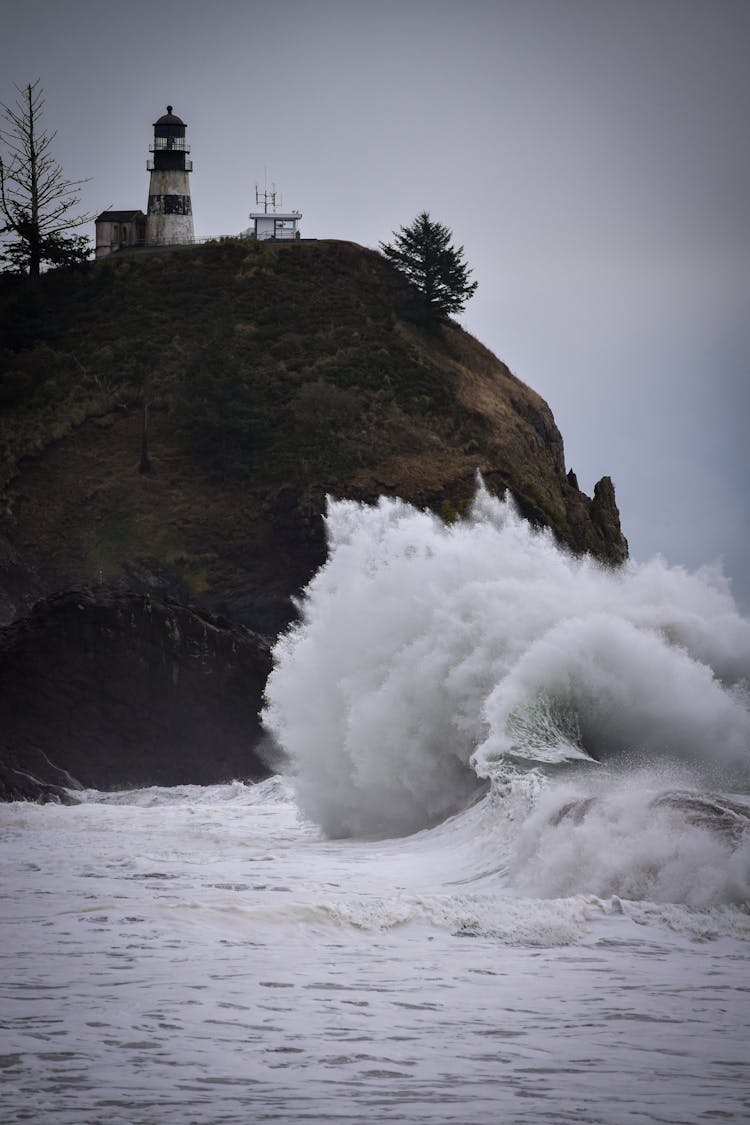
{"type": "Point", "coordinates": [429, 656]}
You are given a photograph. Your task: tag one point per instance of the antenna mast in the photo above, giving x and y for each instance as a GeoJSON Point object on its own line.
{"type": "Point", "coordinates": [265, 197]}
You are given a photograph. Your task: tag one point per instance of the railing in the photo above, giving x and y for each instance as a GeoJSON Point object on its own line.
{"type": "Point", "coordinates": [168, 144]}
{"type": "Point", "coordinates": [140, 246]}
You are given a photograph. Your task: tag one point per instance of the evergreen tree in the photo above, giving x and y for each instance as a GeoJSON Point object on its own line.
{"type": "Point", "coordinates": [424, 255]}
{"type": "Point", "coordinates": [36, 201]}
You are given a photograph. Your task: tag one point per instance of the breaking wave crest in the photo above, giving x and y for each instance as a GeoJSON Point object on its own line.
{"type": "Point", "coordinates": [433, 661]}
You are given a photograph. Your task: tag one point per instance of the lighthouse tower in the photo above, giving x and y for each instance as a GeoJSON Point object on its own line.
{"type": "Point", "coordinates": [169, 218]}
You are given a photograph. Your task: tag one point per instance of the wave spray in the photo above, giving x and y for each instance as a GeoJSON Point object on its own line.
{"type": "Point", "coordinates": [433, 659]}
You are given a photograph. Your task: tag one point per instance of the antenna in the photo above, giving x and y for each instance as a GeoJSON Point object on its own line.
{"type": "Point", "coordinates": [265, 197]}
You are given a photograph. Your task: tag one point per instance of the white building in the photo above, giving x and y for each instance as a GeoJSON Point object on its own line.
{"type": "Point", "coordinates": [278, 226]}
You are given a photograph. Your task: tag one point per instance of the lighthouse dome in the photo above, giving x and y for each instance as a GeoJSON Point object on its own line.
{"type": "Point", "coordinates": [169, 118]}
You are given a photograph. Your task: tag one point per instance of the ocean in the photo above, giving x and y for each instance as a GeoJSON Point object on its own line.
{"type": "Point", "coordinates": [501, 875]}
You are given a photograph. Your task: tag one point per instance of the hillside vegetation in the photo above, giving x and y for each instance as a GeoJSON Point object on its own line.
{"type": "Point", "coordinates": [273, 375]}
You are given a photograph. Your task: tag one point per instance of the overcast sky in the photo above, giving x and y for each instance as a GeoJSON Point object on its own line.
{"type": "Point", "coordinates": [592, 156]}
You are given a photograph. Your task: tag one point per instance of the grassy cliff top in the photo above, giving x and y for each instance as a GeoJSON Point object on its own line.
{"type": "Point", "coordinates": [273, 373]}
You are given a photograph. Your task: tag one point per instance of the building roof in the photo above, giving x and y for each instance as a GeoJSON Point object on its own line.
{"type": "Point", "coordinates": [119, 216]}
{"type": "Point", "coordinates": [169, 118]}
{"type": "Point", "coordinates": [275, 215]}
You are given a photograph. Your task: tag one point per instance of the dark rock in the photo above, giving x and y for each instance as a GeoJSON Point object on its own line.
{"type": "Point", "coordinates": [106, 690]}
{"type": "Point", "coordinates": [594, 525]}
{"type": "Point", "coordinates": [606, 519]}
{"type": "Point", "coordinates": [18, 783]}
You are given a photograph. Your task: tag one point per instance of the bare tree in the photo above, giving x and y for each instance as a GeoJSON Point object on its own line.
{"type": "Point", "coordinates": [37, 202]}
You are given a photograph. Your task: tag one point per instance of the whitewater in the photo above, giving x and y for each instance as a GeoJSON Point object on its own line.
{"type": "Point", "coordinates": [502, 873]}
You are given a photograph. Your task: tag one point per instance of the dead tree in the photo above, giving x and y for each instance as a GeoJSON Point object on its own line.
{"type": "Point", "coordinates": [38, 205]}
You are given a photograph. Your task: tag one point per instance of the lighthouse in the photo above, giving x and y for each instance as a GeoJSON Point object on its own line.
{"type": "Point", "coordinates": [169, 217]}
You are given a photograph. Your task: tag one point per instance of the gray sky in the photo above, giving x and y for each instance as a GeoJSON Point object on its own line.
{"type": "Point", "coordinates": [592, 156]}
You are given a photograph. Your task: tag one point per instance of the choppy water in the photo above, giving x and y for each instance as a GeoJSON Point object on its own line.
{"type": "Point", "coordinates": [201, 956]}
{"type": "Point", "coordinates": [559, 934]}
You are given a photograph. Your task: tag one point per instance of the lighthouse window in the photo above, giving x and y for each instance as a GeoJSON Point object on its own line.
{"type": "Point", "coordinates": [170, 144]}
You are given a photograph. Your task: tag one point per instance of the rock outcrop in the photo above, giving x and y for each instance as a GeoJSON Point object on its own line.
{"type": "Point", "coordinates": [109, 690]}
{"type": "Point", "coordinates": [270, 376]}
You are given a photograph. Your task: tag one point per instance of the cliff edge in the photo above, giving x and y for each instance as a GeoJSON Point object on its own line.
{"type": "Point", "coordinates": [172, 423]}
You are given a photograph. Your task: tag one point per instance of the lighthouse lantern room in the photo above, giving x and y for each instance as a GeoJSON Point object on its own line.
{"type": "Point", "coordinates": [169, 218]}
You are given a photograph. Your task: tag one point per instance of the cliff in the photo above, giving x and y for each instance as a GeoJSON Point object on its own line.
{"type": "Point", "coordinates": [264, 377]}
{"type": "Point", "coordinates": [108, 690]}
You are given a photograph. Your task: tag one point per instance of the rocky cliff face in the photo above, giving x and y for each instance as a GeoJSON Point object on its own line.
{"type": "Point", "coordinates": [271, 376]}
{"type": "Point", "coordinates": [107, 690]}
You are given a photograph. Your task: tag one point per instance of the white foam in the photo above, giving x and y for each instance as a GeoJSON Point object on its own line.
{"type": "Point", "coordinates": [426, 655]}
{"type": "Point", "coordinates": [643, 835]}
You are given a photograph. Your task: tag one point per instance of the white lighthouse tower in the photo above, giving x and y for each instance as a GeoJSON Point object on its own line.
{"type": "Point", "coordinates": [169, 217]}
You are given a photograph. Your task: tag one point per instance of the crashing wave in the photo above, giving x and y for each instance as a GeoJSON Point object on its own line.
{"type": "Point", "coordinates": [428, 657]}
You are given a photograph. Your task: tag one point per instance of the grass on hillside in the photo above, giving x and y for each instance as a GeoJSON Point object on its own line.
{"type": "Point", "coordinates": [287, 356]}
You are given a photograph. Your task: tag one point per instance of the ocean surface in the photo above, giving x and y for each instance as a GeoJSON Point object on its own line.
{"type": "Point", "coordinates": [502, 874]}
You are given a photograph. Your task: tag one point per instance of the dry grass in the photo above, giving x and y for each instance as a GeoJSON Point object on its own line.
{"type": "Point", "coordinates": [277, 373]}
